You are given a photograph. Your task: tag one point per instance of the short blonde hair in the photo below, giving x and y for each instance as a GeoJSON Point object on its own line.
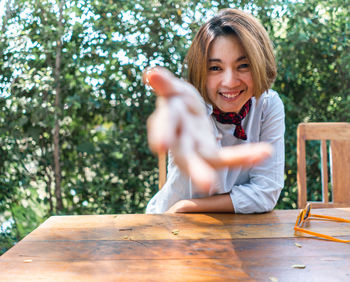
{"type": "Point", "coordinates": [255, 42]}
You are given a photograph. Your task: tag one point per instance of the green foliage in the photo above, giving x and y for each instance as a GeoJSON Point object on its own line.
{"type": "Point", "coordinates": [106, 166]}
{"type": "Point", "coordinates": [313, 60]}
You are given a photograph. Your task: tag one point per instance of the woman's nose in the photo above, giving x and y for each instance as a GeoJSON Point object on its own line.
{"type": "Point", "coordinates": [230, 79]}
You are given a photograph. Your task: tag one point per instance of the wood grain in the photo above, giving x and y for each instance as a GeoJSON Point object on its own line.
{"type": "Point", "coordinates": [341, 171]}
{"type": "Point", "coordinates": [238, 249]}
{"type": "Point", "coordinates": [201, 226]}
{"type": "Point", "coordinates": [201, 260]}
{"type": "Point", "coordinates": [325, 130]}
{"type": "Point", "coordinates": [207, 247]}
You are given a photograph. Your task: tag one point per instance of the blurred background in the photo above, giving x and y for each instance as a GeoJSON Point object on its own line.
{"type": "Point", "coordinates": [73, 108]}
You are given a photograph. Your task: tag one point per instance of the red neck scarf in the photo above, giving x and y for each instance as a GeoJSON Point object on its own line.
{"type": "Point", "coordinates": [233, 118]}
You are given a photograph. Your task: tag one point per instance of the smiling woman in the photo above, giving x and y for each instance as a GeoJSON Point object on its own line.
{"type": "Point", "coordinates": [231, 66]}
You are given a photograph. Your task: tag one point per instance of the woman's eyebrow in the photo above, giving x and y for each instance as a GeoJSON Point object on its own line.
{"type": "Point", "coordinates": [214, 60]}
{"type": "Point", "coordinates": [241, 58]}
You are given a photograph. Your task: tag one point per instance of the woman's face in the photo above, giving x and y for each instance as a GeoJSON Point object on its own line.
{"type": "Point", "coordinates": [229, 82]}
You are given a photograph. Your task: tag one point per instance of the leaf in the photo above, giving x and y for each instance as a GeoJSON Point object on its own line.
{"type": "Point", "coordinates": [27, 260]}
{"type": "Point", "coordinates": [175, 231]}
{"type": "Point", "coordinates": [298, 245]}
{"type": "Point", "coordinates": [299, 266]}
{"type": "Point", "coordinates": [87, 147]}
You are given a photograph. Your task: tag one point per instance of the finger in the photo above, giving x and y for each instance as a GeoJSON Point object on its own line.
{"type": "Point", "coordinates": [241, 155]}
{"type": "Point", "coordinates": [161, 129]}
{"type": "Point", "coordinates": [189, 161]}
{"type": "Point", "coordinates": [165, 84]}
{"type": "Point", "coordinates": [161, 80]}
{"type": "Point", "coordinates": [201, 173]}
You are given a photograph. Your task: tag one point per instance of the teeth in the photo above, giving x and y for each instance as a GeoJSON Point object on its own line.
{"type": "Point", "coordinates": [228, 95]}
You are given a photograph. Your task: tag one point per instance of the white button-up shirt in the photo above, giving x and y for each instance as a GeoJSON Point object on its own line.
{"type": "Point", "coordinates": [252, 190]}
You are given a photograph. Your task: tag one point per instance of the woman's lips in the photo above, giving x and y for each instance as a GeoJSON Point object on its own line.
{"type": "Point", "coordinates": [230, 94]}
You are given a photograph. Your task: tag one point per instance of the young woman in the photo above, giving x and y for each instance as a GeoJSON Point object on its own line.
{"type": "Point", "coordinates": [227, 102]}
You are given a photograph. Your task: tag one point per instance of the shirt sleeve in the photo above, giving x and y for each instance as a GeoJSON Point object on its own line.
{"type": "Point", "coordinates": [177, 187]}
{"type": "Point", "coordinates": [266, 180]}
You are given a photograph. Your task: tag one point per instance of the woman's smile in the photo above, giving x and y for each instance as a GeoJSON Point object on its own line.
{"type": "Point", "coordinates": [230, 94]}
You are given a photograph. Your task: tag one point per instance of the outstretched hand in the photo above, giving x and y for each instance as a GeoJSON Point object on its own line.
{"type": "Point", "coordinates": [180, 123]}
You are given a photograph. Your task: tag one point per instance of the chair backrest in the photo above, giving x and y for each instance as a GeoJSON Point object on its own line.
{"type": "Point", "coordinates": [338, 134]}
{"type": "Point", "coordinates": [162, 170]}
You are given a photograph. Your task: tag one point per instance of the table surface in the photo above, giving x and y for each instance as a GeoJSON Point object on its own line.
{"type": "Point", "coordinates": [180, 247]}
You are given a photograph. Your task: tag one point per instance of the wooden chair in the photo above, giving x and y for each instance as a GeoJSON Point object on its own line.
{"type": "Point", "coordinates": [162, 170]}
{"type": "Point", "coordinates": [338, 133]}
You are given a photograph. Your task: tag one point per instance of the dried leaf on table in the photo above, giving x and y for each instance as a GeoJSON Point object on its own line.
{"type": "Point", "coordinates": [28, 260]}
{"type": "Point", "coordinates": [175, 231]}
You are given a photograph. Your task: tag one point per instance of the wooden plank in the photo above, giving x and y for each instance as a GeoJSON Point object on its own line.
{"type": "Point", "coordinates": [188, 232]}
{"type": "Point", "coordinates": [233, 249]}
{"type": "Point", "coordinates": [180, 270]}
{"type": "Point", "coordinates": [341, 171]}
{"type": "Point", "coordinates": [320, 205]}
{"type": "Point", "coordinates": [115, 250]}
{"type": "Point", "coordinates": [256, 259]}
{"type": "Point", "coordinates": [325, 130]}
{"type": "Point", "coordinates": [208, 219]}
{"type": "Point", "coordinates": [301, 163]}
{"type": "Point", "coordinates": [324, 170]}
{"type": "Point", "coordinates": [196, 226]}
{"type": "Point", "coordinates": [126, 270]}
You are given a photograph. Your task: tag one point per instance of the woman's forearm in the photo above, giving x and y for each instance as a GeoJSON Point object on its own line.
{"type": "Point", "coordinates": [216, 203]}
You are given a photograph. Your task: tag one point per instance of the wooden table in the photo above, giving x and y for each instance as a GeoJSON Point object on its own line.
{"type": "Point", "coordinates": [181, 247]}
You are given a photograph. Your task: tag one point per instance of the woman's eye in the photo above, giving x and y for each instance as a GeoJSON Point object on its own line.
{"type": "Point", "coordinates": [214, 68]}
{"type": "Point", "coordinates": [243, 66]}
